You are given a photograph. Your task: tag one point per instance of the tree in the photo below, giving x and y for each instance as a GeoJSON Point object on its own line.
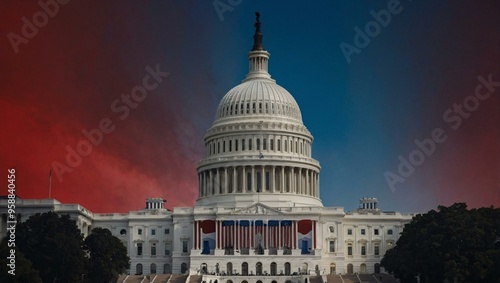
{"type": "Point", "coordinates": [24, 271]}
{"type": "Point", "coordinates": [107, 257]}
{"type": "Point", "coordinates": [53, 244]}
{"type": "Point", "coordinates": [453, 243]}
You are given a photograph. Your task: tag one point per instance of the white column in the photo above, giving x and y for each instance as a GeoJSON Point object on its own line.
{"type": "Point", "coordinates": [300, 188]}
{"type": "Point", "coordinates": [225, 190]}
{"type": "Point", "coordinates": [217, 242]}
{"type": "Point", "coordinates": [279, 234]}
{"type": "Point", "coordinates": [210, 182]}
{"type": "Point", "coordinates": [235, 180]}
{"type": "Point", "coordinates": [253, 184]}
{"type": "Point", "coordinates": [308, 187]}
{"type": "Point", "coordinates": [273, 176]}
{"type": "Point", "coordinates": [217, 182]}
{"type": "Point", "coordinates": [244, 179]}
{"type": "Point", "coordinates": [263, 179]}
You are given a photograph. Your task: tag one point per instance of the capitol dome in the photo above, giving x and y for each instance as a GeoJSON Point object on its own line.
{"type": "Point", "coordinates": [258, 150]}
{"type": "Point", "coordinates": [258, 97]}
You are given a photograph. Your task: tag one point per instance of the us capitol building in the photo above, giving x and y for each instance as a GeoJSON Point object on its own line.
{"type": "Point", "coordinates": [259, 216]}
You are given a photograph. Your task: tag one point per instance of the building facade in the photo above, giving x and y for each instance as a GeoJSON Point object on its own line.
{"type": "Point", "coordinates": [259, 210]}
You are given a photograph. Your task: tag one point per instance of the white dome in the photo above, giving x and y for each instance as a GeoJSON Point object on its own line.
{"type": "Point", "coordinates": [258, 150]}
{"type": "Point", "coordinates": [259, 98]}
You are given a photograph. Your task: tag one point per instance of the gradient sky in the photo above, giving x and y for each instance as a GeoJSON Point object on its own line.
{"type": "Point", "coordinates": [363, 114]}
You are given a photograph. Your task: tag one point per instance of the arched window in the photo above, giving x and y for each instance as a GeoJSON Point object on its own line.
{"type": "Point", "coordinates": [332, 229]}
{"type": "Point", "coordinates": [153, 268]}
{"type": "Point", "coordinates": [273, 268]}
{"type": "Point", "coordinates": [244, 268]}
{"type": "Point", "coordinates": [287, 268]}
{"type": "Point", "coordinates": [362, 268]}
{"type": "Point", "coordinates": [258, 144]}
{"type": "Point", "coordinates": [350, 269]}
{"type": "Point", "coordinates": [167, 269]}
{"type": "Point", "coordinates": [304, 268]}
{"type": "Point", "coordinates": [138, 269]}
{"type": "Point", "coordinates": [183, 268]}
{"type": "Point", "coordinates": [258, 268]}
{"type": "Point", "coordinates": [229, 268]}
{"type": "Point", "coordinates": [377, 268]}
{"type": "Point", "coordinates": [333, 268]}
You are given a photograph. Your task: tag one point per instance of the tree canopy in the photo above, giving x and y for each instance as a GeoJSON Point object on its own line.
{"type": "Point", "coordinates": [53, 243]}
{"type": "Point", "coordinates": [50, 248]}
{"type": "Point", "coordinates": [452, 243]}
{"type": "Point", "coordinates": [107, 256]}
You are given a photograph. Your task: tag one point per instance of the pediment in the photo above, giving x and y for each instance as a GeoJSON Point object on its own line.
{"type": "Point", "coordinates": [257, 208]}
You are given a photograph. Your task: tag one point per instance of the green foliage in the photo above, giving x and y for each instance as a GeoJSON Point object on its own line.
{"type": "Point", "coordinates": [24, 271]}
{"type": "Point", "coordinates": [453, 243]}
{"type": "Point", "coordinates": [108, 256]}
{"type": "Point", "coordinates": [53, 244]}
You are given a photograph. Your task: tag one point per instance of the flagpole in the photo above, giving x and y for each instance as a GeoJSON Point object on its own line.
{"type": "Point", "coordinates": [50, 183]}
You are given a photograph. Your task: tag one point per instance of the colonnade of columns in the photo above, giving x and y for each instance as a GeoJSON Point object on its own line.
{"type": "Point", "coordinates": [259, 178]}
{"type": "Point", "coordinates": [240, 234]}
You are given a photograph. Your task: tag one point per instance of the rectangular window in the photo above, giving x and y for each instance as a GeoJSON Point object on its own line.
{"type": "Point", "coordinates": [349, 250]}
{"type": "Point", "coordinates": [167, 231]}
{"type": "Point", "coordinates": [267, 181]}
{"type": "Point", "coordinates": [363, 231]}
{"type": "Point", "coordinates": [389, 232]}
{"type": "Point", "coordinates": [376, 250]}
{"type": "Point", "coordinates": [153, 250]}
{"type": "Point", "coordinates": [278, 144]}
{"type": "Point", "coordinates": [184, 246]}
{"type": "Point", "coordinates": [167, 248]}
{"type": "Point", "coordinates": [271, 145]}
{"type": "Point", "coordinates": [139, 231]}
{"type": "Point", "coordinates": [139, 248]}
{"type": "Point", "coordinates": [153, 232]}
{"type": "Point", "coordinates": [236, 145]}
{"type": "Point", "coordinates": [249, 144]}
{"type": "Point", "coordinates": [332, 246]}
{"type": "Point", "coordinates": [249, 181]}
{"type": "Point", "coordinates": [259, 183]}
{"type": "Point", "coordinates": [375, 231]}
{"type": "Point", "coordinates": [363, 250]}
{"type": "Point", "coordinates": [349, 231]}
{"type": "Point", "coordinates": [242, 144]}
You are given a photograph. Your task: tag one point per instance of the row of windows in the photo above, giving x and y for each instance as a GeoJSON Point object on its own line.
{"type": "Point", "coordinates": [167, 269]}
{"type": "Point", "coordinates": [258, 108]}
{"type": "Point", "coordinates": [362, 231]}
{"type": "Point", "coordinates": [166, 251]}
{"type": "Point", "coordinates": [298, 146]}
{"type": "Point", "coordinates": [259, 269]}
{"type": "Point", "coordinates": [376, 248]}
{"type": "Point", "coordinates": [166, 231]}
